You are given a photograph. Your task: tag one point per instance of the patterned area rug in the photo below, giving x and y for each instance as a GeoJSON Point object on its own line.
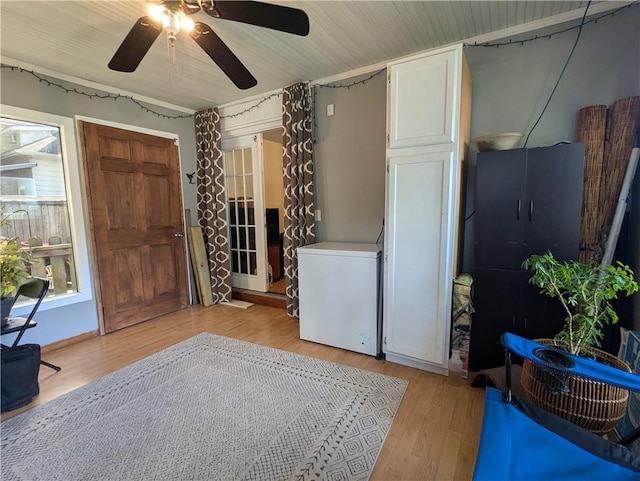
{"type": "Point", "coordinates": [209, 408]}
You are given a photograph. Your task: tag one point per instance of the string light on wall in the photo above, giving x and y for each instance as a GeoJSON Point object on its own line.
{"type": "Point", "coordinates": [93, 95]}
{"type": "Point", "coordinates": [593, 20]}
{"type": "Point", "coordinates": [253, 107]}
{"type": "Point", "coordinates": [332, 85]}
{"type": "Point", "coordinates": [363, 81]}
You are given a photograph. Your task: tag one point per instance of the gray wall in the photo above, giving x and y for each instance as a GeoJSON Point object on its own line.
{"type": "Point", "coordinates": [25, 91]}
{"type": "Point", "coordinates": [512, 83]}
{"type": "Point", "coordinates": [349, 156]}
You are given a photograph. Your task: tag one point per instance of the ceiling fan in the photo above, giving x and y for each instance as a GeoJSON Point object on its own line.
{"type": "Point", "coordinates": [174, 17]}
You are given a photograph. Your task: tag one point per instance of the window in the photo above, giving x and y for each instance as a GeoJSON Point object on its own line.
{"type": "Point", "coordinates": [38, 167]}
{"type": "Point", "coordinates": [242, 227]}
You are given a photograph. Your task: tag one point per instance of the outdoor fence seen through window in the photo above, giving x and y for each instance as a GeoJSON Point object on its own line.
{"type": "Point", "coordinates": [33, 196]}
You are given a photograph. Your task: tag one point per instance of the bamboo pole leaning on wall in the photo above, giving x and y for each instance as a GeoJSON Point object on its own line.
{"type": "Point", "coordinates": [592, 126]}
{"type": "Point", "coordinates": [624, 122]}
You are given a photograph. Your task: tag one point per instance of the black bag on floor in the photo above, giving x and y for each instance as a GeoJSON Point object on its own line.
{"type": "Point", "coordinates": [19, 370]}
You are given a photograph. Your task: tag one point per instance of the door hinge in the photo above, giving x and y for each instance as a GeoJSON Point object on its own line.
{"type": "Point", "coordinates": [385, 340]}
{"type": "Point", "coordinates": [387, 168]}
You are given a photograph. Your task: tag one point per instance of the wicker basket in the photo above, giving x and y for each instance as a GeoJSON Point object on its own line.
{"type": "Point", "coordinates": [592, 405]}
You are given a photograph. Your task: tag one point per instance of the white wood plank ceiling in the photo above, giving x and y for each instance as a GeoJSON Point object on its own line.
{"type": "Point", "coordinates": [78, 38]}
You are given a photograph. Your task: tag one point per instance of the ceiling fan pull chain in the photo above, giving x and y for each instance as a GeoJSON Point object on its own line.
{"type": "Point", "coordinates": [171, 48]}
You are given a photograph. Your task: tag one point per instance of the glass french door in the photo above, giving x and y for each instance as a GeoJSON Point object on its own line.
{"type": "Point", "coordinates": [245, 211]}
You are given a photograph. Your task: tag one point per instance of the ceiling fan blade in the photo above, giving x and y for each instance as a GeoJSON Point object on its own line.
{"type": "Point", "coordinates": [135, 45]}
{"type": "Point", "coordinates": [276, 17]}
{"type": "Point", "coordinates": [215, 48]}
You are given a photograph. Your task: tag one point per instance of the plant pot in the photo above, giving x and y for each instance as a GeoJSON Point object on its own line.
{"type": "Point", "coordinates": [592, 405]}
{"type": "Point", "coordinates": [6, 303]}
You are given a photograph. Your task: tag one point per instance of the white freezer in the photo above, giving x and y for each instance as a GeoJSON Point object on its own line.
{"type": "Point", "coordinates": [338, 288]}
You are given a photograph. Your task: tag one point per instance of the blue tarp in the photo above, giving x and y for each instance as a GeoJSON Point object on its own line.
{"type": "Point", "coordinates": [514, 447]}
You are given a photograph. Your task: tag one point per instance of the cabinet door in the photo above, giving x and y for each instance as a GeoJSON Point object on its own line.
{"type": "Point", "coordinates": [419, 255]}
{"type": "Point", "coordinates": [497, 305]}
{"type": "Point", "coordinates": [421, 99]}
{"type": "Point", "coordinates": [499, 218]}
{"type": "Point", "coordinates": [554, 200]}
{"type": "Point", "coordinates": [542, 316]}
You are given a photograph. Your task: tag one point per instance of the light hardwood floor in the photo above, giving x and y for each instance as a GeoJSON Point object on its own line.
{"type": "Point", "coordinates": [435, 432]}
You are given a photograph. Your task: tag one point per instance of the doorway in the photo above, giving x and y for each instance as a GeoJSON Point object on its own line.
{"type": "Point", "coordinates": [255, 201]}
{"type": "Point", "coordinates": [274, 208]}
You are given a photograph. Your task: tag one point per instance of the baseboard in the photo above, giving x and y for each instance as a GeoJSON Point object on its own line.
{"type": "Point", "coordinates": [67, 342]}
{"type": "Point", "coordinates": [264, 299]}
{"type": "Point", "coordinates": [418, 364]}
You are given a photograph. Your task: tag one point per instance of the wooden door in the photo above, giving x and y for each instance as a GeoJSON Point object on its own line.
{"type": "Point", "coordinates": [135, 210]}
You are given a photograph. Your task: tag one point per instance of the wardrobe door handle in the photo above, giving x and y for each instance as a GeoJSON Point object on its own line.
{"type": "Point", "coordinates": [518, 207]}
{"type": "Point", "coordinates": [530, 210]}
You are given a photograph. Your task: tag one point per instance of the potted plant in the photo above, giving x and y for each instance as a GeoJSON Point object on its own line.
{"type": "Point", "coordinates": [585, 292]}
{"type": "Point", "coordinates": [13, 268]}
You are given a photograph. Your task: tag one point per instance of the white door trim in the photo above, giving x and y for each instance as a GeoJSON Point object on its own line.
{"type": "Point", "coordinates": [257, 281]}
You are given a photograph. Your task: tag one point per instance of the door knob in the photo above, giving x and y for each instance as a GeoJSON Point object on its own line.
{"type": "Point", "coordinates": [178, 234]}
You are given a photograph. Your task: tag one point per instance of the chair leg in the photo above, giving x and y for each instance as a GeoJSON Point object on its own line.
{"type": "Point", "coordinates": [52, 366]}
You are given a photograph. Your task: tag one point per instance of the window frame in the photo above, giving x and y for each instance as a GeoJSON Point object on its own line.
{"type": "Point", "coordinates": [74, 185]}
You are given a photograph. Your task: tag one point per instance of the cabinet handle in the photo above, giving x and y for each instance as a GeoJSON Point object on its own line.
{"type": "Point", "coordinates": [513, 324]}
{"type": "Point", "coordinates": [518, 207]}
{"type": "Point", "coordinates": [530, 210]}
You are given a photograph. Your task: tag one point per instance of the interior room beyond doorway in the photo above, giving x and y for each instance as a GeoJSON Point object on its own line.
{"type": "Point", "coordinates": [274, 205]}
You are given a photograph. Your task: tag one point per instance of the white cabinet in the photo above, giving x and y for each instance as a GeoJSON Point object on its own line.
{"type": "Point", "coordinates": [421, 100]}
{"type": "Point", "coordinates": [423, 205]}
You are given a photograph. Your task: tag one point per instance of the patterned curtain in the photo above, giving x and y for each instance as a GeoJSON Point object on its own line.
{"type": "Point", "coordinates": [299, 215]}
{"type": "Point", "coordinates": [212, 206]}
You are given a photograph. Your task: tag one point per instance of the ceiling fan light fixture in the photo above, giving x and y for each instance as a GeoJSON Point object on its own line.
{"type": "Point", "coordinates": [158, 12]}
{"type": "Point", "coordinates": [187, 24]}
{"type": "Point", "coordinates": [171, 17]}
{"type": "Point", "coordinates": [173, 21]}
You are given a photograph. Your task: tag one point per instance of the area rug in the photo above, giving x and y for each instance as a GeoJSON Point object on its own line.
{"type": "Point", "coordinates": [209, 408]}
